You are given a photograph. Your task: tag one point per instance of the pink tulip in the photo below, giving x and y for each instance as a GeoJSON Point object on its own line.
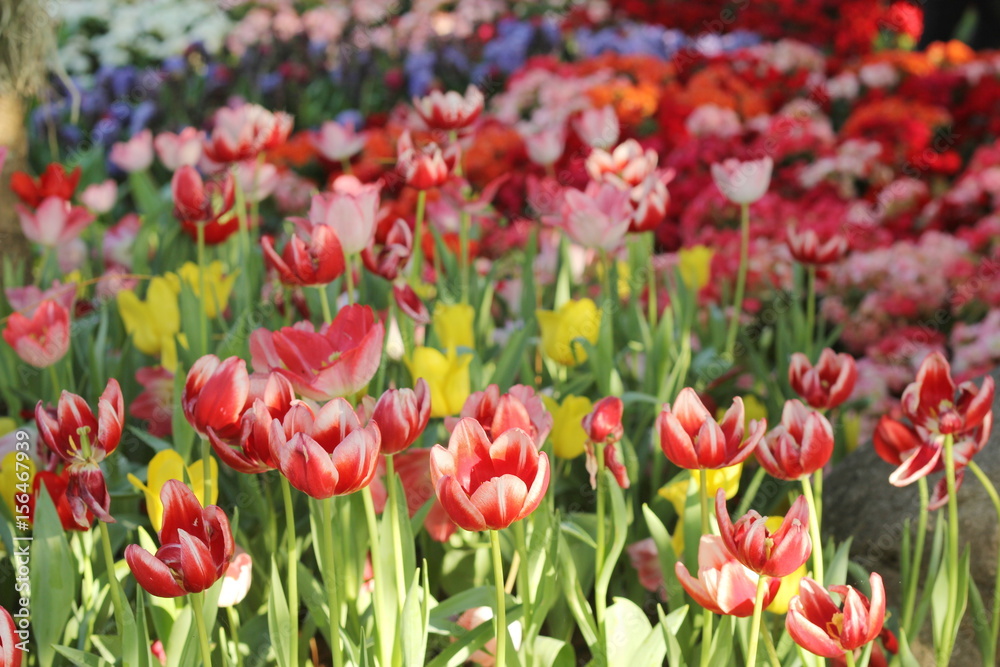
{"type": "Point", "coordinates": [775, 554]}
{"type": "Point", "coordinates": [822, 627]}
{"type": "Point", "coordinates": [799, 446]}
{"type": "Point", "coordinates": [827, 384]}
{"type": "Point", "coordinates": [100, 197]}
{"type": "Point", "coordinates": [724, 585]}
{"type": "Point", "coordinates": [545, 143]}
{"type": "Point", "coordinates": [451, 110]}
{"type": "Point", "coordinates": [42, 339]}
{"type": "Point", "coordinates": [179, 150]}
{"type": "Point", "coordinates": [337, 142]}
{"type": "Point", "coordinates": [598, 128]}
{"type": "Point", "coordinates": [598, 217]}
{"type": "Point", "coordinates": [236, 579]}
{"type": "Point", "coordinates": [351, 209]}
{"type": "Point", "coordinates": [691, 438]}
{"type": "Point", "coordinates": [55, 222]}
{"type": "Point", "coordinates": [743, 182]}
{"type": "Point", "coordinates": [133, 155]}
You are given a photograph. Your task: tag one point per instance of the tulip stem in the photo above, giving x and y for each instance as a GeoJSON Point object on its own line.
{"type": "Point", "coordinates": [991, 491]}
{"type": "Point", "coordinates": [241, 217]}
{"type": "Point", "coordinates": [349, 278]}
{"type": "Point", "coordinates": [54, 374]}
{"type": "Point", "coordinates": [814, 532]}
{"type": "Point", "coordinates": [653, 304]}
{"type": "Point", "coordinates": [206, 472]}
{"type": "Point", "coordinates": [385, 647]}
{"type": "Point", "coordinates": [707, 616]}
{"type": "Point", "coordinates": [330, 579]}
{"type": "Point", "coordinates": [600, 594]}
{"type": "Point", "coordinates": [109, 558]}
{"type": "Point", "coordinates": [324, 301]}
{"type": "Point", "coordinates": [417, 258]}
{"type": "Point", "coordinates": [234, 634]}
{"type": "Point", "coordinates": [810, 307]}
{"type": "Point", "coordinates": [849, 658]}
{"type": "Point", "coordinates": [397, 539]}
{"type": "Point", "coordinates": [291, 546]}
{"type": "Point", "coordinates": [202, 292]}
{"type": "Point", "coordinates": [758, 608]}
{"type": "Point", "coordinates": [951, 618]}
{"type": "Point", "coordinates": [913, 576]}
{"type": "Point", "coordinates": [769, 646]}
{"type": "Point", "coordinates": [741, 279]}
{"type": "Point", "coordinates": [197, 606]}
{"type": "Point", "coordinates": [501, 607]}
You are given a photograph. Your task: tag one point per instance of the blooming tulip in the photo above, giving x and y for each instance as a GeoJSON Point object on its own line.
{"type": "Point", "coordinates": [153, 322]}
{"type": "Point", "coordinates": [56, 486]}
{"type": "Point", "coordinates": [691, 438]}
{"type": "Point", "coordinates": [453, 325]}
{"type": "Point", "coordinates": [484, 485]}
{"type": "Point", "coordinates": [605, 421]}
{"type": "Point", "coordinates": [197, 202]}
{"type": "Point", "coordinates": [447, 376]}
{"type": "Point", "coordinates": [427, 167]}
{"type": "Point", "coordinates": [54, 223]}
{"type": "Point", "coordinates": [598, 217]}
{"type": "Point", "coordinates": [215, 395]}
{"type": "Point", "coordinates": [217, 285]}
{"type": "Point", "coordinates": [133, 155]}
{"type": "Point", "coordinates": [42, 339]}
{"type": "Point", "coordinates": [402, 416]}
{"type": "Point", "coordinates": [167, 465]}
{"type": "Point", "coordinates": [351, 209]}
{"type": "Point", "coordinates": [236, 580]}
{"type": "Point", "coordinates": [450, 110]}
{"type": "Point", "coordinates": [241, 133]}
{"type": "Point", "coordinates": [561, 329]}
{"type": "Point", "coordinates": [743, 182]}
{"type": "Point", "coordinates": [598, 128]}
{"type": "Point", "coordinates": [935, 403]}
{"type": "Point", "coordinates": [496, 413]}
{"type": "Point", "coordinates": [10, 654]}
{"type": "Point", "coordinates": [338, 142]}
{"type": "Point", "coordinates": [83, 441]}
{"type": "Point", "coordinates": [196, 546]}
{"type": "Point", "coordinates": [338, 360]}
{"type": "Point", "coordinates": [179, 150]}
{"type": "Point", "coordinates": [724, 585]}
{"type": "Point", "coordinates": [316, 260]}
{"type": "Point", "coordinates": [628, 163]}
{"type": "Point", "coordinates": [100, 197]}
{"type": "Point", "coordinates": [568, 437]}
{"type": "Point", "coordinates": [394, 252]}
{"type": "Point", "coordinates": [826, 385]}
{"type": "Point", "coordinates": [774, 554]}
{"type": "Point", "coordinates": [799, 446]}
{"type": "Point", "coordinates": [53, 182]}
{"type": "Point", "coordinates": [328, 453]}
{"type": "Point", "coordinates": [822, 627]}
{"type": "Point", "coordinates": [808, 247]}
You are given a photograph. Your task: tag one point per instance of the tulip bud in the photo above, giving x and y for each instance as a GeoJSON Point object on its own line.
{"type": "Point", "coordinates": [402, 416]}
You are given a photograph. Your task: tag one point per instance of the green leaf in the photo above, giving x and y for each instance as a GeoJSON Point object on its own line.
{"type": "Point", "coordinates": [510, 357]}
{"type": "Point", "coordinates": [575, 597]}
{"type": "Point", "coordinates": [671, 626]}
{"type": "Point", "coordinates": [836, 571]}
{"type": "Point", "coordinates": [666, 555]}
{"type": "Point", "coordinates": [905, 655]}
{"type": "Point", "coordinates": [722, 643]}
{"type": "Point", "coordinates": [981, 621]}
{"type": "Point", "coordinates": [278, 623]}
{"type": "Point", "coordinates": [620, 523]}
{"type": "Point", "coordinates": [413, 625]}
{"type": "Point", "coordinates": [459, 652]}
{"type": "Point", "coordinates": [183, 433]}
{"type": "Point", "coordinates": [53, 578]}
{"type": "Point", "coordinates": [626, 627]}
{"type": "Point", "coordinates": [551, 652]}
{"type": "Point", "coordinates": [81, 659]}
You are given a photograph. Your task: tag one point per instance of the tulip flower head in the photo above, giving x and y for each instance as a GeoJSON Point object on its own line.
{"type": "Point", "coordinates": [743, 182]}
{"type": "Point", "coordinates": [10, 654]}
{"type": "Point", "coordinates": [133, 155]}
{"type": "Point", "coordinates": [724, 585]}
{"type": "Point", "coordinates": [450, 110]}
{"type": "Point", "coordinates": [827, 629]}
{"type": "Point", "coordinates": [54, 182]}
{"type": "Point", "coordinates": [568, 437]}
{"type": "Point", "coordinates": [82, 440]}
{"type": "Point", "coordinates": [241, 133]}
{"type": "Point", "coordinates": [402, 416]}
{"type": "Point", "coordinates": [215, 395]}
{"type": "Point", "coordinates": [54, 223]}
{"type": "Point", "coordinates": [598, 128]}
{"type": "Point", "coordinates": [811, 246]}
{"type": "Point", "coordinates": [337, 142]}
{"type": "Point", "coordinates": [799, 446]}
{"type": "Point", "coordinates": [774, 554]}
{"type": "Point", "coordinates": [426, 167]}
{"type": "Point", "coordinates": [179, 150]}
{"type": "Point", "coordinates": [518, 408]}
{"type": "Point", "coordinates": [645, 559]}
{"type": "Point", "coordinates": [218, 285]}
{"type": "Point", "coordinates": [316, 258]}
{"type": "Point", "coordinates": [598, 217]}
{"type": "Point", "coordinates": [691, 438]}
{"type": "Point", "coordinates": [154, 322]}
{"type": "Point", "coordinates": [197, 202]}
{"type": "Point", "coordinates": [196, 546]}
{"type": "Point", "coordinates": [165, 466]}
{"type": "Point", "coordinates": [100, 197]}
{"type": "Point", "coordinates": [42, 339]}
{"type": "Point", "coordinates": [487, 485]}
{"type": "Point", "coordinates": [562, 328]}
{"type": "Point", "coordinates": [350, 209]}
{"type": "Point", "coordinates": [236, 580]}
{"type": "Point", "coordinates": [387, 257]}
{"type": "Point", "coordinates": [603, 426]}
{"type": "Point", "coordinates": [447, 376]}
{"type": "Point", "coordinates": [827, 384]}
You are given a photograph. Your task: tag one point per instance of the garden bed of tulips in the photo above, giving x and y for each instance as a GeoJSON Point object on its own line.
{"type": "Point", "coordinates": [516, 337]}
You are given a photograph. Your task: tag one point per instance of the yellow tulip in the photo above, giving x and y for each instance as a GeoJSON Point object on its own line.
{"type": "Point", "coordinates": [76, 276]}
{"type": "Point", "coordinates": [676, 492]}
{"type": "Point", "coordinates": [561, 328]}
{"type": "Point", "coordinates": [789, 584]}
{"type": "Point", "coordinates": [695, 265]}
{"type": "Point", "coordinates": [453, 325]}
{"type": "Point", "coordinates": [7, 425]}
{"type": "Point", "coordinates": [624, 278]}
{"type": "Point", "coordinates": [567, 436]}
{"type": "Point", "coordinates": [154, 322]}
{"type": "Point", "coordinates": [446, 376]}
{"type": "Point", "coordinates": [9, 483]}
{"type": "Point", "coordinates": [167, 465]}
{"type": "Point", "coordinates": [218, 285]}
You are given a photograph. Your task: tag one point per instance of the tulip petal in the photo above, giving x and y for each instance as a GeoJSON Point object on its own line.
{"type": "Point", "coordinates": [308, 467]}
{"type": "Point", "coordinates": [181, 511]}
{"type": "Point", "coordinates": [696, 589]}
{"type": "Point", "coordinates": [458, 505]}
{"type": "Point", "coordinates": [197, 570]}
{"type": "Point", "coordinates": [920, 463]}
{"type": "Point", "coordinates": [500, 500]}
{"type": "Point", "coordinates": [676, 443]}
{"type": "Point", "coordinates": [810, 637]}
{"type": "Point", "coordinates": [151, 573]}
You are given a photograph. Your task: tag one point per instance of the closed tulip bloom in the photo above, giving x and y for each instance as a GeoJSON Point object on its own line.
{"type": "Point", "coordinates": [54, 223]}
{"type": "Point", "coordinates": [350, 209]}
{"type": "Point", "coordinates": [691, 438]}
{"type": "Point", "coordinates": [519, 408]}
{"type": "Point", "coordinates": [561, 329]}
{"type": "Point", "coordinates": [236, 580]}
{"type": "Point", "coordinates": [774, 554]}
{"type": "Point", "coordinates": [215, 395]}
{"type": "Point", "coordinates": [10, 654]}
{"type": "Point", "coordinates": [743, 182]}
{"type": "Point", "coordinates": [402, 416]}
{"type": "Point", "coordinates": [133, 155]}
{"type": "Point", "coordinates": [453, 325]}
{"type": "Point", "coordinates": [568, 437]}
{"type": "Point", "coordinates": [337, 142]}
{"type": "Point", "coordinates": [829, 630]}
{"type": "Point", "coordinates": [450, 110]}
{"type": "Point", "coordinates": [196, 546]}
{"type": "Point", "coordinates": [167, 465]}
{"type": "Point", "coordinates": [605, 421]}
{"type": "Point", "coordinates": [827, 384]}
{"type": "Point", "coordinates": [724, 585]}
{"type": "Point", "coordinates": [799, 446]}
{"type": "Point", "coordinates": [209, 204]}
{"type": "Point", "coordinates": [447, 375]}
{"type": "Point", "coordinates": [83, 441]}
{"type": "Point", "coordinates": [427, 167]}
{"type": "Point", "coordinates": [327, 453]}
{"type": "Point", "coordinates": [388, 257]}
{"type": "Point", "coordinates": [628, 162]}
{"type": "Point", "coordinates": [810, 247]}
{"type": "Point", "coordinates": [337, 360]}
{"type": "Point", "coordinates": [488, 486]}
{"type": "Point", "coordinates": [598, 128]}
{"type": "Point", "coordinates": [317, 259]}
{"type": "Point", "coordinates": [42, 339]}
{"type": "Point", "coordinates": [100, 197]}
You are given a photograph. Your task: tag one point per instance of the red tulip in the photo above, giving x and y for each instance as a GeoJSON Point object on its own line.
{"type": "Point", "coordinates": [409, 303]}
{"type": "Point", "coordinates": [772, 554]}
{"type": "Point", "coordinates": [199, 203]}
{"type": "Point", "coordinates": [931, 402]}
{"type": "Point", "coordinates": [605, 421]}
{"type": "Point", "coordinates": [691, 438]}
{"type": "Point", "coordinates": [826, 385]}
{"type": "Point", "coordinates": [799, 446]}
{"type": "Point", "coordinates": [215, 395]}
{"type": "Point", "coordinates": [485, 485]}
{"type": "Point", "coordinates": [10, 654]}
{"type": "Point", "coordinates": [394, 252]}
{"type": "Point", "coordinates": [402, 416]}
{"type": "Point", "coordinates": [241, 133]}
{"type": "Point", "coordinates": [325, 454]}
{"type": "Point", "coordinates": [496, 413]}
{"type": "Point", "coordinates": [319, 260]}
{"type": "Point", "coordinates": [83, 441]}
{"type": "Point", "coordinates": [820, 626]}
{"type": "Point", "coordinates": [56, 486]}
{"type": "Point", "coordinates": [724, 585]}
{"type": "Point", "coordinates": [451, 110]}
{"type": "Point", "coordinates": [427, 167]}
{"type": "Point", "coordinates": [808, 247]}
{"type": "Point", "coordinates": [54, 182]}
{"type": "Point", "coordinates": [196, 546]}
{"type": "Point", "coordinates": [251, 452]}
{"type": "Point", "coordinates": [42, 339]}
{"type": "Point", "coordinates": [338, 360]}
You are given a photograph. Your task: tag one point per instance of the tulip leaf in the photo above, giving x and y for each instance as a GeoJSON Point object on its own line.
{"type": "Point", "coordinates": [672, 625]}
{"type": "Point", "coordinates": [183, 433]}
{"type": "Point", "coordinates": [278, 622]}
{"type": "Point", "coordinates": [619, 523]}
{"type": "Point", "coordinates": [666, 556]}
{"type": "Point", "coordinates": [53, 577]}
{"type": "Point", "coordinates": [836, 570]}
{"type": "Point", "coordinates": [905, 655]}
{"type": "Point", "coordinates": [722, 643]}
{"type": "Point", "coordinates": [981, 620]}
{"type": "Point", "coordinates": [442, 612]}
{"type": "Point", "coordinates": [459, 652]}
{"type": "Point", "coordinates": [413, 624]}
{"type": "Point", "coordinates": [551, 652]}
{"type": "Point", "coordinates": [81, 659]}
{"type": "Point", "coordinates": [626, 628]}
{"type": "Point", "coordinates": [507, 363]}
{"type": "Point", "coordinates": [575, 597]}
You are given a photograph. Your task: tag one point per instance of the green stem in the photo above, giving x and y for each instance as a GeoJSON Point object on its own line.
{"type": "Point", "coordinates": [202, 292]}
{"type": "Point", "coordinates": [814, 532]}
{"type": "Point", "coordinates": [707, 616]}
{"type": "Point", "coordinates": [951, 618]}
{"type": "Point", "coordinates": [291, 546]}
{"type": "Point", "coordinates": [109, 558]}
{"type": "Point", "coordinates": [56, 390]}
{"type": "Point", "coordinates": [741, 279]}
{"type": "Point", "coordinates": [330, 579]}
{"type": "Point", "coordinates": [751, 492]}
{"type": "Point", "coordinates": [817, 481]}
{"type": "Point", "coordinates": [600, 598]}
{"type": "Point", "coordinates": [417, 260]}
{"type": "Point", "coordinates": [397, 539]}
{"type": "Point", "coordinates": [772, 654]}
{"type": "Point", "coordinates": [464, 260]}
{"type": "Point", "coordinates": [349, 277]}
{"type": "Point", "coordinates": [345, 164]}
{"type": "Point", "coordinates": [324, 301]}
{"type": "Point", "coordinates": [241, 217]}
{"type": "Point", "coordinates": [991, 491]}
{"type": "Point", "coordinates": [652, 305]}
{"type": "Point", "coordinates": [501, 605]}
{"type": "Point", "coordinates": [234, 634]}
{"type": "Point", "coordinates": [197, 605]}
{"type": "Point", "coordinates": [810, 307]}
{"type": "Point", "coordinates": [523, 590]}
{"type": "Point", "coordinates": [910, 594]}
{"type": "Point", "coordinates": [385, 648]}
{"type": "Point", "coordinates": [206, 468]}
{"type": "Point", "coordinates": [849, 658]}
{"type": "Point", "coordinates": [758, 608]}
